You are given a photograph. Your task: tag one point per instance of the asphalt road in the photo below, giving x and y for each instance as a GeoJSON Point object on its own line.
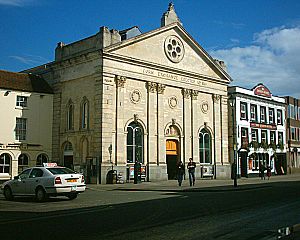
{"type": "Point", "coordinates": [251, 213]}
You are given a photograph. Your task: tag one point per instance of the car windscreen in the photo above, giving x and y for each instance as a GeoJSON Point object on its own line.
{"type": "Point", "coordinates": [56, 171]}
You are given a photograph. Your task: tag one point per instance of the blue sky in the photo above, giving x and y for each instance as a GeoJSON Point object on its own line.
{"type": "Point", "coordinates": [259, 40]}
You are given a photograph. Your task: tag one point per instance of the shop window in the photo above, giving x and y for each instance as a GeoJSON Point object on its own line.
{"type": "Point", "coordinates": [205, 146]}
{"type": "Point", "coordinates": [135, 143]}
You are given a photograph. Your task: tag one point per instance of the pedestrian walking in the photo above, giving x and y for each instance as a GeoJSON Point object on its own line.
{"type": "Point", "coordinates": [269, 171]}
{"type": "Point", "coordinates": [262, 171]}
{"type": "Point", "coordinates": [180, 172]}
{"type": "Point", "coordinates": [191, 168]}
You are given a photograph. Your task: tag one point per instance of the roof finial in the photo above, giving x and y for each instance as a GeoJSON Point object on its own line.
{"type": "Point", "coordinates": [169, 16]}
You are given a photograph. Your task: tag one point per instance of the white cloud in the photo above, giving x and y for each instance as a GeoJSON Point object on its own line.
{"type": "Point", "coordinates": [30, 59]}
{"type": "Point", "coordinates": [15, 3]}
{"type": "Point", "coordinates": [273, 59]}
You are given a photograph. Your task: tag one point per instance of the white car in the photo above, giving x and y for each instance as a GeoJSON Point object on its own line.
{"type": "Point", "coordinates": [43, 182]}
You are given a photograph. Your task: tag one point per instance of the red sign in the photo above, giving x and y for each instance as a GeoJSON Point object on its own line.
{"type": "Point", "coordinates": [261, 125]}
{"type": "Point", "coordinates": [261, 90]}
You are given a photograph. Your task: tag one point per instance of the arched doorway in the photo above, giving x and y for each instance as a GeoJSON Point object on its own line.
{"type": "Point", "coordinates": [68, 155]}
{"type": "Point", "coordinates": [172, 150]}
{"type": "Point", "coordinates": [172, 157]}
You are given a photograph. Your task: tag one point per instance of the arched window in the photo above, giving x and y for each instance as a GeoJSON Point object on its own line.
{"type": "Point", "coordinates": [41, 158]}
{"type": "Point", "coordinates": [5, 160]}
{"type": "Point", "coordinates": [70, 116]}
{"type": "Point", "coordinates": [205, 146]}
{"type": "Point", "coordinates": [85, 114]}
{"type": "Point", "coordinates": [23, 162]}
{"type": "Point", "coordinates": [135, 143]}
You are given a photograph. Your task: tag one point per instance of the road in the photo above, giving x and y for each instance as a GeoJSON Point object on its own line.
{"type": "Point", "coordinates": [255, 212]}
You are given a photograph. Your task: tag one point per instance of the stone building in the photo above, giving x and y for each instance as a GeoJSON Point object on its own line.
{"type": "Point", "coordinates": [25, 124]}
{"type": "Point", "coordinates": [156, 97]}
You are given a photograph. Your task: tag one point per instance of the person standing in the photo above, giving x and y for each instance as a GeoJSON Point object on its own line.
{"type": "Point", "coordinates": [191, 168]}
{"type": "Point", "coordinates": [262, 171]}
{"type": "Point", "coordinates": [268, 171]}
{"type": "Point", "coordinates": [180, 172]}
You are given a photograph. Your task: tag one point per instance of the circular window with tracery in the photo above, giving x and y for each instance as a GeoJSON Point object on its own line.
{"type": "Point", "coordinates": [174, 49]}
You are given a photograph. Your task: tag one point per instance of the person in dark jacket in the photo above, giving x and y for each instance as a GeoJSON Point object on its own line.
{"type": "Point", "coordinates": [262, 171]}
{"type": "Point", "coordinates": [191, 168]}
{"type": "Point", "coordinates": [180, 172]}
{"type": "Point", "coordinates": [269, 172]}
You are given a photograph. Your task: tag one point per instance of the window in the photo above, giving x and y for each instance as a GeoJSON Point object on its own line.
{"type": "Point", "coordinates": [273, 137]}
{"type": "Point", "coordinates": [263, 118]}
{"type": "Point", "coordinates": [264, 136]}
{"type": "Point", "coordinates": [5, 160]}
{"type": "Point", "coordinates": [135, 143]}
{"type": "Point", "coordinates": [70, 117]}
{"type": "Point", "coordinates": [243, 111]}
{"type": "Point", "coordinates": [280, 137]}
{"type": "Point", "coordinates": [21, 101]}
{"type": "Point", "coordinates": [245, 139]}
{"type": "Point", "coordinates": [22, 162]}
{"type": "Point", "coordinates": [25, 174]}
{"type": "Point", "coordinates": [293, 133]}
{"type": "Point", "coordinates": [84, 115]}
{"type": "Point", "coordinates": [279, 117]}
{"type": "Point", "coordinates": [21, 128]}
{"type": "Point", "coordinates": [254, 135]}
{"type": "Point", "coordinates": [253, 113]}
{"type": "Point", "coordinates": [41, 158]}
{"type": "Point", "coordinates": [205, 146]}
{"type": "Point", "coordinates": [36, 172]}
{"type": "Point", "coordinates": [271, 115]}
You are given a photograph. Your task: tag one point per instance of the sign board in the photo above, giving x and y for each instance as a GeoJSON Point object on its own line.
{"type": "Point", "coordinates": [262, 125]}
{"type": "Point", "coordinates": [50, 164]}
{"type": "Point", "coordinates": [263, 91]}
{"type": "Point", "coordinates": [207, 171]}
{"type": "Point", "coordinates": [143, 172]}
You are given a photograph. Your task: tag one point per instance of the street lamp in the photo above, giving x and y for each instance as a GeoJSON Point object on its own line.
{"type": "Point", "coordinates": [231, 101]}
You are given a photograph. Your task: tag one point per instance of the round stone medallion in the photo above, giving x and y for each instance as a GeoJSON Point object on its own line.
{"type": "Point", "coordinates": [135, 96]}
{"type": "Point", "coordinates": [204, 107]}
{"type": "Point", "coordinates": [174, 49]}
{"type": "Point", "coordinates": [173, 102]}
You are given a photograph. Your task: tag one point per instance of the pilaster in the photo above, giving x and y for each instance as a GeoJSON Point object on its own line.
{"type": "Point", "coordinates": [161, 144]}
{"type": "Point", "coordinates": [187, 123]}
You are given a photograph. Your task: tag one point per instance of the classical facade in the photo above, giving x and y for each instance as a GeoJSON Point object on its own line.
{"type": "Point", "coordinates": [156, 98]}
{"type": "Point", "coordinates": [257, 130]}
{"type": "Point", "coordinates": [293, 133]}
{"type": "Point", "coordinates": [26, 103]}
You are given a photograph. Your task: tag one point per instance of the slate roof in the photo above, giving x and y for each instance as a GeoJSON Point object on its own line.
{"type": "Point", "coordinates": [23, 82]}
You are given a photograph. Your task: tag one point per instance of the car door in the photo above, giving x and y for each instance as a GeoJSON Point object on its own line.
{"type": "Point", "coordinates": [35, 179]}
{"type": "Point", "coordinates": [19, 184]}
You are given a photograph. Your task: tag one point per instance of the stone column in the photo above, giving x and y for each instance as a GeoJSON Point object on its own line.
{"type": "Point", "coordinates": [216, 128]}
{"type": "Point", "coordinates": [194, 129]}
{"type": "Point", "coordinates": [161, 146]}
{"type": "Point", "coordinates": [152, 160]}
{"type": "Point", "coordinates": [186, 93]}
{"type": "Point", "coordinates": [120, 137]}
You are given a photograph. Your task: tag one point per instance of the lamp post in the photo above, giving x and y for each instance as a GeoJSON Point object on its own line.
{"type": "Point", "coordinates": [231, 101]}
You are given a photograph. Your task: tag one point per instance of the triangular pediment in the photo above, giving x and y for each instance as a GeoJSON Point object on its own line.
{"type": "Point", "coordinates": [170, 46]}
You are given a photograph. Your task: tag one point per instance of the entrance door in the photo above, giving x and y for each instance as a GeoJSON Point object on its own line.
{"type": "Point", "coordinates": [244, 165]}
{"type": "Point", "coordinates": [172, 151]}
{"type": "Point", "coordinates": [68, 162]}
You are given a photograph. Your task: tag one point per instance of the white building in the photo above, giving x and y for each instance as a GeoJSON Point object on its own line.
{"type": "Point", "coordinates": [257, 130]}
{"type": "Point", "coordinates": [25, 123]}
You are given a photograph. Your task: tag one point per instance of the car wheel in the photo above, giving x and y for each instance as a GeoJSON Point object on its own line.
{"type": "Point", "coordinates": [72, 196]}
{"type": "Point", "coordinates": [8, 193]}
{"type": "Point", "coordinates": [40, 194]}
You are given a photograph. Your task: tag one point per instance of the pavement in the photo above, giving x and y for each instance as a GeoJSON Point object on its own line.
{"type": "Point", "coordinates": [200, 184]}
